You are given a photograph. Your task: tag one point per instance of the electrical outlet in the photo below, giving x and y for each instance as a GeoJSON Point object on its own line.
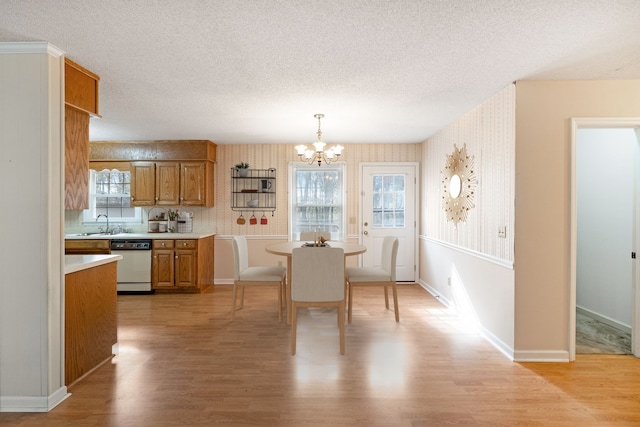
{"type": "Point", "coordinates": [502, 231]}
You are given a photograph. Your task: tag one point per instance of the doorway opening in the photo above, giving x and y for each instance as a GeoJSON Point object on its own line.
{"type": "Point", "coordinates": [604, 230]}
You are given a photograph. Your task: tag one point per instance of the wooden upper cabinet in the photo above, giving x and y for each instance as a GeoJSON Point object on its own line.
{"type": "Point", "coordinates": [171, 184]}
{"type": "Point", "coordinates": [80, 88]}
{"type": "Point", "coordinates": [143, 184]}
{"type": "Point", "coordinates": [169, 173]}
{"type": "Point", "coordinates": [193, 184]}
{"type": "Point", "coordinates": [167, 183]}
{"type": "Point", "coordinates": [81, 100]}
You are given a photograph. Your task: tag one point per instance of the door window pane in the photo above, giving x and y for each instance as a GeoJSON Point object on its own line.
{"type": "Point", "coordinates": [388, 192]}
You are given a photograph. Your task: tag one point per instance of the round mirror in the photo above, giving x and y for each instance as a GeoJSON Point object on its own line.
{"type": "Point", "coordinates": [455, 186]}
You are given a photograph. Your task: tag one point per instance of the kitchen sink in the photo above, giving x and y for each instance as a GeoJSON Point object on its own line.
{"type": "Point", "coordinates": [90, 234]}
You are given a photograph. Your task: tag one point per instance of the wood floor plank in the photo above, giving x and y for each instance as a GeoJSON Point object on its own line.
{"type": "Point", "coordinates": [182, 363]}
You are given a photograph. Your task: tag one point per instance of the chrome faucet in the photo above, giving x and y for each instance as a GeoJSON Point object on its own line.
{"type": "Point", "coordinates": [104, 215]}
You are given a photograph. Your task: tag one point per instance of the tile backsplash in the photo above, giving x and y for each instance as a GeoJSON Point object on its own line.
{"type": "Point", "coordinates": [203, 221]}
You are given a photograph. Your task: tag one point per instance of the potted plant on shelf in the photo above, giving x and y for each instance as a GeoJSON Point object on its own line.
{"type": "Point", "coordinates": [242, 168]}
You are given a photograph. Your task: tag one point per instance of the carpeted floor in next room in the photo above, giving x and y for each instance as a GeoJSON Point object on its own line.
{"type": "Point", "coordinates": [593, 336]}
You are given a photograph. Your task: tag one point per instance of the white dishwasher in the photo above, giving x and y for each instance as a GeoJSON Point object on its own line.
{"type": "Point", "coordinates": [134, 269]}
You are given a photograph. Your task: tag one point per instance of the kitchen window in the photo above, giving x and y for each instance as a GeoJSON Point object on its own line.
{"type": "Point", "coordinates": [110, 194]}
{"type": "Point", "coordinates": [316, 199]}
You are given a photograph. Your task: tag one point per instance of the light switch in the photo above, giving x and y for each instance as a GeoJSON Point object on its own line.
{"type": "Point", "coordinates": [502, 231]}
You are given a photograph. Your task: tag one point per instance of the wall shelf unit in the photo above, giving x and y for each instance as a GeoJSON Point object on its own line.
{"type": "Point", "coordinates": [253, 190]}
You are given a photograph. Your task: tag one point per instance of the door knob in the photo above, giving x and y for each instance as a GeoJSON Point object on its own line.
{"type": "Point", "coordinates": [366, 224]}
{"type": "Point", "coordinates": [366, 233]}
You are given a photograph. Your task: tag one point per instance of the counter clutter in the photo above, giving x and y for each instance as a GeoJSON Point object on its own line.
{"type": "Point", "coordinates": [170, 221]}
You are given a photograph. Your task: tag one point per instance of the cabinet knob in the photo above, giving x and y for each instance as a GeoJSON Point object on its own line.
{"type": "Point", "coordinates": [156, 198]}
{"type": "Point", "coordinates": [184, 243]}
{"type": "Point", "coordinates": [164, 244]}
{"type": "Point", "coordinates": [176, 256]}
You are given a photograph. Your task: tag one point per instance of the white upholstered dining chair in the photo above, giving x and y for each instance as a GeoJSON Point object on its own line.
{"type": "Point", "coordinates": [383, 275]}
{"type": "Point", "coordinates": [243, 275]}
{"type": "Point", "coordinates": [310, 236]}
{"type": "Point", "coordinates": [317, 280]}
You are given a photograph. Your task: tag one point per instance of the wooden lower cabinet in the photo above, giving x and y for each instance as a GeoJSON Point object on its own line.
{"type": "Point", "coordinates": [91, 320]}
{"type": "Point", "coordinates": [182, 265]}
{"type": "Point", "coordinates": [162, 264]}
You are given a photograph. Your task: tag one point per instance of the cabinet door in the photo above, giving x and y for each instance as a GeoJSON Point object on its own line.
{"type": "Point", "coordinates": [143, 184]}
{"type": "Point", "coordinates": [193, 184]}
{"type": "Point", "coordinates": [162, 266]}
{"type": "Point", "coordinates": [185, 270]}
{"type": "Point", "coordinates": [167, 183]}
{"type": "Point", "coordinates": [76, 159]}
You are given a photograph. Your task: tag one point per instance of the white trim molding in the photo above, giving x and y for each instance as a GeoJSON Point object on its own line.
{"type": "Point", "coordinates": [498, 261]}
{"type": "Point", "coordinates": [541, 356]}
{"type": "Point", "coordinates": [30, 47]}
{"type": "Point", "coordinates": [33, 404]}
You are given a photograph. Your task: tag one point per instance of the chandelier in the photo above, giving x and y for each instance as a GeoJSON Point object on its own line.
{"type": "Point", "coordinates": [319, 155]}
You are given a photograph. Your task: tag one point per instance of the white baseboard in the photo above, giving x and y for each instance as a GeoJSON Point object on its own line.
{"type": "Point", "coordinates": [443, 300]}
{"type": "Point", "coordinates": [541, 356]}
{"type": "Point", "coordinates": [33, 404]}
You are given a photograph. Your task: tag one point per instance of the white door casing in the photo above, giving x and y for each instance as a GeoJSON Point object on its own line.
{"type": "Point", "coordinates": [397, 216]}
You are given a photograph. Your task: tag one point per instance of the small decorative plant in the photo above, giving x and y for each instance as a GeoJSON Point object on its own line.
{"type": "Point", "coordinates": [242, 168]}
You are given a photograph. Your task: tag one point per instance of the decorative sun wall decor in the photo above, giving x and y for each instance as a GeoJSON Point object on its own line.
{"type": "Point", "coordinates": [458, 185]}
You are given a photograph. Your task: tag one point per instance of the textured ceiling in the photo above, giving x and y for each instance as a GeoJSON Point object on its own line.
{"type": "Point", "coordinates": [251, 71]}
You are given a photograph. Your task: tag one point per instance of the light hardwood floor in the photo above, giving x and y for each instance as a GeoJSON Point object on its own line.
{"type": "Point", "coordinates": [182, 363]}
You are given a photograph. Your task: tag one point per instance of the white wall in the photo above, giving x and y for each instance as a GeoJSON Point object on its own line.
{"type": "Point", "coordinates": [479, 263]}
{"type": "Point", "coordinates": [605, 204]}
{"type": "Point", "coordinates": [31, 255]}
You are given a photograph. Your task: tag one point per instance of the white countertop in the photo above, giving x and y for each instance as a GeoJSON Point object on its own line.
{"type": "Point", "coordinates": [122, 236]}
{"type": "Point", "coordinates": [74, 263]}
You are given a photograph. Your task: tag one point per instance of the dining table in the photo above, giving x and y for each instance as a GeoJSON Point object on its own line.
{"type": "Point", "coordinates": [286, 249]}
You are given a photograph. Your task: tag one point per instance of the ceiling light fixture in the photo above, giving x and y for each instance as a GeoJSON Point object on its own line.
{"type": "Point", "coordinates": [319, 155]}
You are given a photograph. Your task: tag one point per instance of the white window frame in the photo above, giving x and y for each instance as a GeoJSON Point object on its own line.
{"type": "Point", "coordinates": [340, 167]}
{"type": "Point", "coordinates": [89, 215]}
